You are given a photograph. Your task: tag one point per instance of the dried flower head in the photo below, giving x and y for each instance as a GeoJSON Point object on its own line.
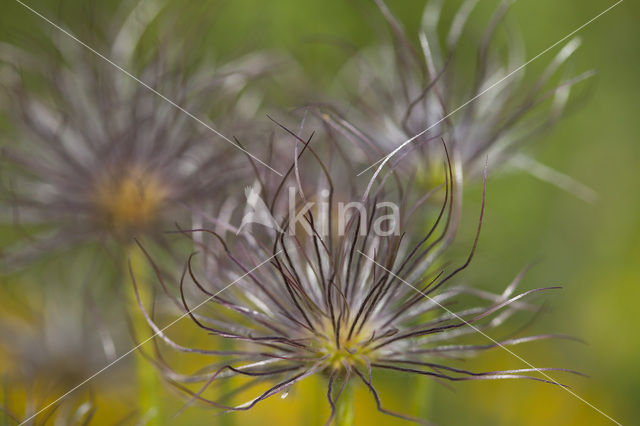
{"type": "Point", "coordinates": [337, 289]}
{"type": "Point", "coordinates": [98, 155]}
{"type": "Point", "coordinates": [414, 93]}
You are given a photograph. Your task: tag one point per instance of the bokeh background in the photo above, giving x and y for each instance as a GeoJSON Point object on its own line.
{"type": "Point", "coordinates": [591, 249]}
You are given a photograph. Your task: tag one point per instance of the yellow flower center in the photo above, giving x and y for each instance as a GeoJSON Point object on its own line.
{"type": "Point", "coordinates": [129, 202]}
{"type": "Point", "coordinates": [340, 348]}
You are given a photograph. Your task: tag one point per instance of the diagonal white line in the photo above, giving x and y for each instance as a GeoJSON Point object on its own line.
{"type": "Point", "coordinates": [112, 363]}
{"type": "Point", "coordinates": [386, 158]}
{"type": "Point", "coordinates": [492, 339]}
{"type": "Point", "coordinates": [145, 85]}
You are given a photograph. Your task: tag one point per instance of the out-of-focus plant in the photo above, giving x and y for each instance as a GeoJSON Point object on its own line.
{"type": "Point", "coordinates": [409, 94]}
{"type": "Point", "coordinates": [97, 156]}
{"type": "Point", "coordinates": [48, 345]}
{"type": "Point", "coordinates": [112, 140]}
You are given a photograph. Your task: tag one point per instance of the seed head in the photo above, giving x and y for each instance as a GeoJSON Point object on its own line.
{"type": "Point", "coordinates": [99, 156]}
{"type": "Point", "coordinates": [343, 305]}
{"type": "Point", "coordinates": [415, 90]}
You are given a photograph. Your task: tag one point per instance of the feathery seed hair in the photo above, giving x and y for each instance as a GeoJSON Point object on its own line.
{"type": "Point", "coordinates": [99, 157]}
{"type": "Point", "coordinates": [309, 298]}
{"type": "Point", "coordinates": [424, 90]}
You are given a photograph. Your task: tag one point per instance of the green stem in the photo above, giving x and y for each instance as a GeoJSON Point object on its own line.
{"type": "Point", "coordinates": [422, 397]}
{"type": "Point", "coordinates": [148, 394]}
{"type": "Point", "coordinates": [345, 411]}
{"type": "Point", "coordinates": [148, 383]}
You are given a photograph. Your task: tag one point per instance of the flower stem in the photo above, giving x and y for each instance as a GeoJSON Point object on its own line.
{"type": "Point", "coordinates": [344, 407]}
{"type": "Point", "coordinates": [146, 375]}
{"type": "Point", "coordinates": [422, 397]}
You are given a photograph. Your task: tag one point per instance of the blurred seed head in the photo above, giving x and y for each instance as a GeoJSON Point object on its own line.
{"type": "Point", "coordinates": [402, 87]}
{"type": "Point", "coordinates": [96, 156]}
{"type": "Point", "coordinates": [130, 202]}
